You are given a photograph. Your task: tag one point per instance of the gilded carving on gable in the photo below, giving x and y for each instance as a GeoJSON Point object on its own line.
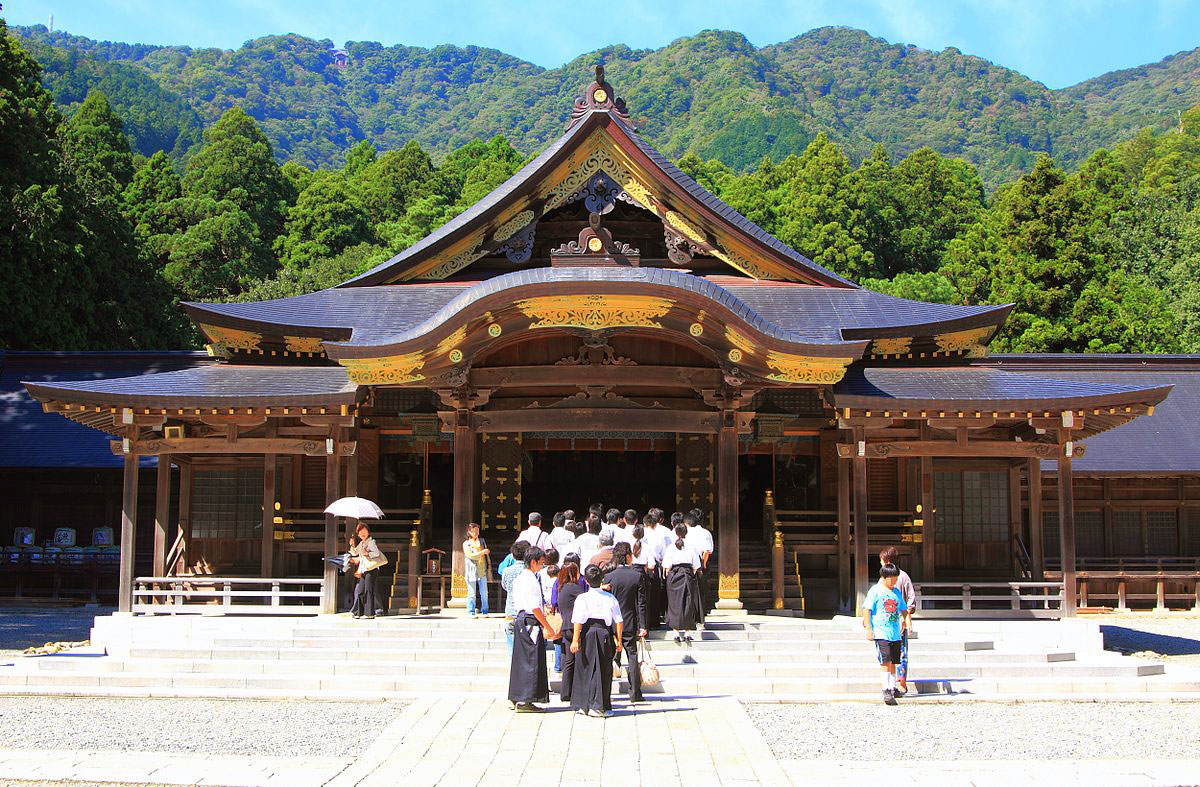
{"type": "Point", "coordinates": [891, 346]}
{"type": "Point", "coordinates": [452, 264]}
{"type": "Point", "coordinates": [791, 368]}
{"type": "Point", "coordinates": [303, 344]}
{"type": "Point", "coordinates": [390, 369]}
{"type": "Point", "coordinates": [595, 312]}
{"type": "Point", "coordinates": [232, 338]}
{"type": "Point", "coordinates": [971, 342]}
{"type": "Point", "coordinates": [513, 225]}
{"type": "Point", "coordinates": [451, 341]}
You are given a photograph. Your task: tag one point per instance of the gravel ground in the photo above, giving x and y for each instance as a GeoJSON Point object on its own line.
{"type": "Point", "coordinates": [26, 627]}
{"type": "Point", "coordinates": [979, 731]}
{"type": "Point", "coordinates": [1174, 637]}
{"type": "Point", "coordinates": [318, 729]}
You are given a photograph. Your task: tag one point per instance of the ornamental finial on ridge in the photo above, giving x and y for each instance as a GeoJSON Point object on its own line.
{"type": "Point", "coordinates": [598, 96]}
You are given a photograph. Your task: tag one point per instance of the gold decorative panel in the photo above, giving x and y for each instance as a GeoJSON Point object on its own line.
{"type": "Point", "coordinates": [451, 341]}
{"type": "Point", "coordinates": [739, 341]}
{"type": "Point", "coordinates": [501, 459]}
{"type": "Point", "coordinates": [729, 586]}
{"type": "Point", "coordinates": [391, 369]}
{"type": "Point", "coordinates": [595, 312]}
{"type": "Point", "coordinates": [806, 369]}
{"type": "Point", "coordinates": [893, 346]}
{"type": "Point", "coordinates": [231, 338]}
{"type": "Point", "coordinates": [972, 342]}
{"type": "Point", "coordinates": [303, 344]}
{"type": "Point", "coordinates": [513, 226]}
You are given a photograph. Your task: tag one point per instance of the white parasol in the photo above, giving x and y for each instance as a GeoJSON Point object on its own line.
{"type": "Point", "coordinates": [355, 508]}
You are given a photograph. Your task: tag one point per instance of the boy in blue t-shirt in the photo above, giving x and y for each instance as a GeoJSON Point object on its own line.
{"type": "Point", "coordinates": [885, 616]}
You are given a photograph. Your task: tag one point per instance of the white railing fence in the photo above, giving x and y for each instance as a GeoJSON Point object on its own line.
{"type": "Point", "coordinates": [212, 595]}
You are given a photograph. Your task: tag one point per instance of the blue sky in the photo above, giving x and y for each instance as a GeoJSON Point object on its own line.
{"type": "Point", "coordinates": [1058, 42]}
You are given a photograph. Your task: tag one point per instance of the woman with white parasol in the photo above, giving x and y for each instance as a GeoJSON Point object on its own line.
{"type": "Point", "coordinates": [364, 554]}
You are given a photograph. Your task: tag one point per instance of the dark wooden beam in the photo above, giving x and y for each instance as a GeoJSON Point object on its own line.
{"type": "Point", "coordinates": [728, 526]}
{"type": "Point", "coordinates": [185, 510]}
{"type": "Point", "coordinates": [1066, 534]}
{"type": "Point", "coordinates": [1037, 545]}
{"type": "Point", "coordinates": [245, 445]}
{"type": "Point", "coordinates": [862, 576]}
{"type": "Point", "coordinates": [329, 595]}
{"type": "Point", "coordinates": [598, 420]}
{"type": "Point", "coordinates": [270, 471]}
{"type": "Point", "coordinates": [883, 450]}
{"type": "Point", "coordinates": [928, 515]}
{"type": "Point", "coordinates": [162, 513]}
{"type": "Point", "coordinates": [845, 580]}
{"type": "Point", "coordinates": [557, 376]}
{"type": "Point", "coordinates": [246, 422]}
{"type": "Point", "coordinates": [327, 420]}
{"type": "Point", "coordinates": [129, 503]}
{"type": "Point", "coordinates": [463, 502]}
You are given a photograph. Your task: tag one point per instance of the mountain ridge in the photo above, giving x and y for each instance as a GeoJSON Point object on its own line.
{"type": "Point", "coordinates": [713, 93]}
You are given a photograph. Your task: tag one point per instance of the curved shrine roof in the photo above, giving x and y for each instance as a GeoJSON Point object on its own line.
{"type": "Point", "coordinates": [813, 314]}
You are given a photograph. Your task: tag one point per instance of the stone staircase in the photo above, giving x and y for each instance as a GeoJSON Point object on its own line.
{"type": "Point", "coordinates": [753, 657]}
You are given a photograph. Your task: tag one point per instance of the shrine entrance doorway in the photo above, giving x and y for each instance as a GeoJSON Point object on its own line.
{"type": "Point", "coordinates": [616, 476]}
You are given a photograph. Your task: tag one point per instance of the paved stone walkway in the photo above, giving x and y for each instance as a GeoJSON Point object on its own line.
{"type": "Point", "coordinates": [477, 741]}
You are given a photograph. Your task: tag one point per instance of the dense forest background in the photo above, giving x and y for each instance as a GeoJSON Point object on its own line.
{"type": "Point", "coordinates": [133, 177]}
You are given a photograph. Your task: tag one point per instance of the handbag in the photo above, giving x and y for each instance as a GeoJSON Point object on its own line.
{"type": "Point", "coordinates": [646, 664]}
{"type": "Point", "coordinates": [555, 620]}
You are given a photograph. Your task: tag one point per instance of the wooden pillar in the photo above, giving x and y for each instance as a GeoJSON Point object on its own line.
{"type": "Point", "coordinates": [845, 586]}
{"type": "Point", "coordinates": [1014, 518]}
{"type": "Point", "coordinates": [1066, 533]}
{"type": "Point", "coordinates": [351, 490]}
{"type": "Point", "coordinates": [928, 502]}
{"type": "Point", "coordinates": [270, 474]}
{"type": "Point", "coordinates": [129, 501]}
{"type": "Point", "coordinates": [162, 514]}
{"type": "Point", "coordinates": [728, 547]}
{"type": "Point", "coordinates": [1037, 543]}
{"type": "Point", "coordinates": [184, 517]}
{"type": "Point", "coordinates": [463, 504]}
{"type": "Point", "coordinates": [862, 560]}
{"type": "Point", "coordinates": [329, 592]}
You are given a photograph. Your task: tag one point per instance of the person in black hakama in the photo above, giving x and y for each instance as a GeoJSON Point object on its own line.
{"type": "Point", "coordinates": [683, 596]}
{"type": "Point", "coordinates": [527, 679]}
{"type": "Point", "coordinates": [597, 623]}
{"type": "Point", "coordinates": [568, 591]}
{"type": "Point", "coordinates": [627, 583]}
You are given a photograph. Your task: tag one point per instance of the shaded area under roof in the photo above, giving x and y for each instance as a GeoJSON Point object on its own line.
{"type": "Point", "coordinates": [1166, 443]}
{"type": "Point", "coordinates": [817, 314]}
{"type": "Point", "coordinates": [216, 385]}
{"type": "Point", "coordinates": [31, 437]}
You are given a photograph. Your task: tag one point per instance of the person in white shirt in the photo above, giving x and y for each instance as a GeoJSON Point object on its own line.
{"type": "Point", "coordinates": [528, 681]}
{"type": "Point", "coordinates": [624, 530]}
{"type": "Point", "coordinates": [655, 540]}
{"type": "Point", "coordinates": [701, 541]}
{"type": "Point", "coordinates": [587, 544]}
{"type": "Point", "coordinates": [611, 518]}
{"type": "Point", "coordinates": [597, 626]}
{"type": "Point", "coordinates": [683, 603]}
{"type": "Point", "coordinates": [533, 534]}
{"type": "Point", "coordinates": [560, 536]}
{"type": "Point", "coordinates": [544, 576]}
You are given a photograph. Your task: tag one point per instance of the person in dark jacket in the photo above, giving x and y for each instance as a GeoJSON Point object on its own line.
{"type": "Point", "coordinates": [628, 584]}
{"type": "Point", "coordinates": [568, 589]}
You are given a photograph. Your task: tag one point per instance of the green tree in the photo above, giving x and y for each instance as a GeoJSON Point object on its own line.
{"type": "Point", "coordinates": [322, 223]}
{"type": "Point", "coordinates": [46, 298]}
{"type": "Point", "coordinates": [385, 187]}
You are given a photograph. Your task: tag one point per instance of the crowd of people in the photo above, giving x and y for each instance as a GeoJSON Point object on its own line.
{"type": "Point", "coordinates": [594, 586]}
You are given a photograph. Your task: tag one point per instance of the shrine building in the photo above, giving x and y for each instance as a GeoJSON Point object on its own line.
{"type": "Point", "coordinates": [600, 328]}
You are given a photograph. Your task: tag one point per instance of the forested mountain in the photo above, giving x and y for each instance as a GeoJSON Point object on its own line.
{"type": "Point", "coordinates": [98, 245]}
{"type": "Point", "coordinates": [713, 94]}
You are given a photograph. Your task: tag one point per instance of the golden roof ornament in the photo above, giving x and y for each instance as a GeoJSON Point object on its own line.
{"type": "Point", "coordinates": [598, 96]}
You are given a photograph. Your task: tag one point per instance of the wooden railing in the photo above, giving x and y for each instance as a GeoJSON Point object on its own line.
{"type": "Point", "coordinates": [1155, 564]}
{"type": "Point", "coordinates": [989, 599]}
{"type": "Point", "coordinates": [211, 595]}
{"type": "Point", "coordinates": [1102, 589]}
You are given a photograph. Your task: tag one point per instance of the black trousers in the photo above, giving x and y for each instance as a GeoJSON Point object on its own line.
{"type": "Point", "coordinates": [633, 670]}
{"type": "Point", "coordinates": [365, 597]}
{"type": "Point", "coordinates": [568, 667]}
{"type": "Point", "coordinates": [527, 677]}
{"type": "Point", "coordinates": [593, 670]}
{"type": "Point", "coordinates": [702, 587]}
